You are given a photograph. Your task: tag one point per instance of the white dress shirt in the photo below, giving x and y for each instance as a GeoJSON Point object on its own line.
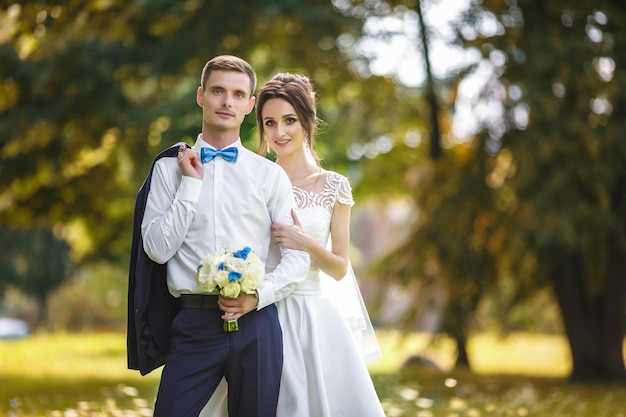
{"type": "Point", "coordinates": [234, 204]}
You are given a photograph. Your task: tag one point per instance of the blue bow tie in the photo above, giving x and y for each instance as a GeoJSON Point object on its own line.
{"type": "Point", "coordinates": [229, 154]}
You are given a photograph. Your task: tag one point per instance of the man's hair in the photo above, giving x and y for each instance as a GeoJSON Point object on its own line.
{"type": "Point", "coordinates": [229, 63]}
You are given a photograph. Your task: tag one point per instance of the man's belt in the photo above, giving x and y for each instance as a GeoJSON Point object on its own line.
{"type": "Point", "coordinates": [198, 301]}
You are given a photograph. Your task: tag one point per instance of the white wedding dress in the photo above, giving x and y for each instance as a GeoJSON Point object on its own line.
{"type": "Point", "coordinates": [327, 335]}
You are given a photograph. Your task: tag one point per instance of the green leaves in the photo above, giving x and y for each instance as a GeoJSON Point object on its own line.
{"type": "Point", "coordinates": [90, 91]}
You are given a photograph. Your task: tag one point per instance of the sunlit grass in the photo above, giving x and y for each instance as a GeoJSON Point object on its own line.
{"type": "Point", "coordinates": [519, 354]}
{"type": "Point", "coordinates": [67, 375]}
{"type": "Point", "coordinates": [72, 375]}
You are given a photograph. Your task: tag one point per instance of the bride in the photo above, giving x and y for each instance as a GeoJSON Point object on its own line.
{"type": "Point", "coordinates": [327, 334]}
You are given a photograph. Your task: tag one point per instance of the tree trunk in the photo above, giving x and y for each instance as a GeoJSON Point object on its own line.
{"type": "Point", "coordinates": [614, 297]}
{"type": "Point", "coordinates": [572, 295]}
{"type": "Point", "coordinates": [593, 325]}
{"type": "Point", "coordinates": [431, 98]}
{"type": "Point", "coordinates": [462, 360]}
{"type": "Point", "coordinates": [613, 316]}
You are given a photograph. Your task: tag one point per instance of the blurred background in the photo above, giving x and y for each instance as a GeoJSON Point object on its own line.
{"type": "Point", "coordinates": [485, 142]}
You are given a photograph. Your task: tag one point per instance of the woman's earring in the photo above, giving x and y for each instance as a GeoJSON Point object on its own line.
{"type": "Point", "coordinates": [268, 149]}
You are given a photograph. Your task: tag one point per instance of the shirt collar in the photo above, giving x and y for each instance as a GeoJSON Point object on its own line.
{"type": "Point", "coordinates": [202, 144]}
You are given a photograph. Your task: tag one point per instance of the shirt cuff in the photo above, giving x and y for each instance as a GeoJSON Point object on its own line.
{"type": "Point", "coordinates": [265, 295]}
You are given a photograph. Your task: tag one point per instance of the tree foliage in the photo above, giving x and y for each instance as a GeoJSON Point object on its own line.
{"type": "Point", "coordinates": [35, 261]}
{"type": "Point", "coordinates": [538, 198]}
{"type": "Point", "coordinates": [91, 90]}
{"type": "Point", "coordinates": [569, 171]}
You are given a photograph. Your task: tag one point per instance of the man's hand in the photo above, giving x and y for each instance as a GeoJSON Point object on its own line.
{"type": "Point", "coordinates": [189, 162]}
{"type": "Point", "coordinates": [234, 308]}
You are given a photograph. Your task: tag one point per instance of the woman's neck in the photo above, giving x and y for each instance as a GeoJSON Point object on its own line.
{"type": "Point", "coordinates": [301, 169]}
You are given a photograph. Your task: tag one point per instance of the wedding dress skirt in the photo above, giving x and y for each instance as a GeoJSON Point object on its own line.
{"type": "Point", "coordinates": [324, 372]}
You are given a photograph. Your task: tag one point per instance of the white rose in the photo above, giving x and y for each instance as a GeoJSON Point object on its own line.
{"type": "Point", "coordinates": [221, 278]}
{"type": "Point", "coordinates": [231, 290]}
{"type": "Point", "coordinates": [249, 283]}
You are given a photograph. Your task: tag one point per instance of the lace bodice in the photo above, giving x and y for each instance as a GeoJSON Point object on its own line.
{"type": "Point", "coordinates": [316, 209]}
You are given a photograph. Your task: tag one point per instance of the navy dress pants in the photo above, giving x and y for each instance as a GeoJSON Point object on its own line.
{"type": "Point", "coordinates": [201, 352]}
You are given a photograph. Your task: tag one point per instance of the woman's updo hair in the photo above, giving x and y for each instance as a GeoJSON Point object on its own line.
{"type": "Point", "coordinates": [298, 91]}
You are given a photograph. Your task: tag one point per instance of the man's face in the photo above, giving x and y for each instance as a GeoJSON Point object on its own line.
{"type": "Point", "coordinates": [225, 100]}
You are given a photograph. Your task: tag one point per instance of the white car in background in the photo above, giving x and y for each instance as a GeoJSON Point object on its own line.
{"type": "Point", "coordinates": [11, 328]}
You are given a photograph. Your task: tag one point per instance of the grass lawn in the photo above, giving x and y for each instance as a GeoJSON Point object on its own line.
{"type": "Point", "coordinates": [63, 375]}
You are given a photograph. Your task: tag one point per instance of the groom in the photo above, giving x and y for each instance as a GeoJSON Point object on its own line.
{"type": "Point", "coordinates": [212, 195]}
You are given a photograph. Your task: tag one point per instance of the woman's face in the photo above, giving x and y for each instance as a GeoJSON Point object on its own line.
{"type": "Point", "coordinates": [281, 127]}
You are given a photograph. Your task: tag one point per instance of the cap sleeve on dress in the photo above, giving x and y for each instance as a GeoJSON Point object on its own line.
{"type": "Point", "coordinates": [344, 190]}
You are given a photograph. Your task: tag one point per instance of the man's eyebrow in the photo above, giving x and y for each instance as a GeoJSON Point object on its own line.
{"type": "Point", "coordinates": [238, 91]}
{"type": "Point", "coordinates": [214, 84]}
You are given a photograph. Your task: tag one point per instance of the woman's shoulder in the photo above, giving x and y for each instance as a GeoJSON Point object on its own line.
{"type": "Point", "coordinates": [341, 187]}
{"type": "Point", "coordinates": [336, 179]}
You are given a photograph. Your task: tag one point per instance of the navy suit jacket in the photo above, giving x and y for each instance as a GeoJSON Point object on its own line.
{"type": "Point", "coordinates": [151, 307]}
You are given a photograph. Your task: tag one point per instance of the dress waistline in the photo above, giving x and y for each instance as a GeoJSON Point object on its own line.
{"type": "Point", "coordinates": [307, 291]}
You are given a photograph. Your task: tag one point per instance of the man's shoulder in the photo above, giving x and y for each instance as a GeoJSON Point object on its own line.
{"type": "Point", "coordinates": [260, 160]}
{"type": "Point", "coordinates": [170, 151]}
{"type": "Point", "coordinates": [166, 156]}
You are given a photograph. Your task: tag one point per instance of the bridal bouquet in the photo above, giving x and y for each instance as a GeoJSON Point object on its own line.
{"type": "Point", "coordinates": [233, 272]}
